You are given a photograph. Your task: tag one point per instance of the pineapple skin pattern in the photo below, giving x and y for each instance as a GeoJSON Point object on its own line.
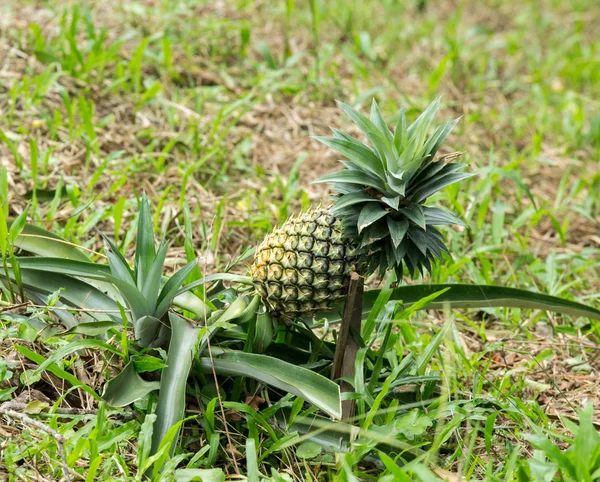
{"type": "Point", "coordinates": [304, 266]}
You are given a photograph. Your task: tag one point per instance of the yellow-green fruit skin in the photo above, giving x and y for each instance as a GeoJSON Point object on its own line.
{"type": "Point", "coordinates": [304, 266]}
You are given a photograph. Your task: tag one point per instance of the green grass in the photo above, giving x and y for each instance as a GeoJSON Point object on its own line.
{"type": "Point", "coordinates": [208, 108]}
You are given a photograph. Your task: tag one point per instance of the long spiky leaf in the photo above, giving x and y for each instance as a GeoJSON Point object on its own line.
{"type": "Point", "coordinates": [377, 139]}
{"type": "Point", "coordinates": [144, 249]}
{"type": "Point", "coordinates": [379, 122]}
{"type": "Point", "coordinates": [153, 282]}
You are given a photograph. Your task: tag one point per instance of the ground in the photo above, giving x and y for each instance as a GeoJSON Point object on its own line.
{"type": "Point", "coordinates": [210, 106]}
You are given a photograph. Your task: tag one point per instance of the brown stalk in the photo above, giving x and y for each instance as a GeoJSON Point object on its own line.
{"type": "Point", "coordinates": [346, 346]}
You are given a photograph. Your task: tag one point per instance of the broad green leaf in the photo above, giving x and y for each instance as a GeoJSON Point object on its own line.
{"type": "Point", "coordinates": [483, 296]}
{"type": "Point", "coordinates": [263, 334]}
{"type": "Point", "coordinates": [153, 282]}
{"type": "Point", "coordinates": [438, 137]}
{"type": "Point", "coordinates": [76, 293]}
{"type": "Point", "coordinates": [117, 263]}
{"type": "Point", "coordinates": [124, 432]}
{"type": "Point", "coordinates": [136, 302]}
{"type": "Point", "coordinates": [344, 187]}
{"type": "Point", "coordinates": [250, 311]}
{"type": "Point", "coordinates": [39, 241]}
{"type": "Point", "coordinates": [350, 199]}
{"type": "Point", "coordinates": [420, 126]}
{"type": "Point", "coordinates": [173, 380]}
{"type": "Point", "coordinates": [35, 406]}
{"type": "Point", "coordinates": [419, 239]}
{"type": "Point", "coordinates": [171, 288]}
{"type": "Point", "coordinates": [192, 303]}
{"type": "Point", "coordinates": [93, 328]}
{"type": "Point", "coordinates": [92, 272]}
{"type": "Point", "coordinates": [352, 177]}
{"type": "Point", "coordinates": [145, 330]}
{"type": "Point", "coordinates": [432, 172]}
{"type": "Point", "coordinates": [442, 182]}
{"type": "Point", "coordinates": [587, 443]}
{"type": "Point", "coordinates": [335, 436]}
{"type": "Point", "coordinates": [393, 202]}
{"type": "Point", "coordinates": [127, 387]}
{"type": "Point", "coordinates": [397, 229]}
{"type": "Point", "coordinates": [541, 442]}
{"type": "Point", "coordinates": [436, 216]}
{"type": "Point", "coordinates": [400, 134]}
{"type": "Point", "coordinates": [375, 232]}
{"type": "Point", "coordinates": [359, 154]}
{"type": "Point", "coordinates": [60, 311]}
{"type": "Point", "coordinates": [370, 213]}
{"type": "Point", "coordinates": [70, 267]}
{"type": "Point", "coordinates": [98, 271]}
{"type": "Point", "coordinates": [541, 470]}
{"type": "Point", "coordinates": [162, 458]}
{"type": "Point", "coordinates": [234, 310]}
{"type": "Point", "coordinates": [379, 122]}
{"type": "Point", "coordinates": [145, 251]}
{"type": "Point", "coordinates": [414, 212]}
{"type": "Point", "coordinates": [338, 134]}
{"type": "Point", "coordinates": [377, 138]}
{"type": "Point", "coordinates": [434, 243]}
{"type": "Point", "coordinates": [147, 363]}
{"type": "Point", "coordinates": [408, 160]}
{"type": "Point", "coordinates": [397, 182]}
{"type": "Point", "coordinates": [235, 278]}
{"type": "Point", "coordinates": [297, 380]}
{"type": "Point", "coordinates": [472, 296]}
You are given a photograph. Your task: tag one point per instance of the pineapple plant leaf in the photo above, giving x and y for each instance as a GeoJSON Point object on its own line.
{"type": "Point", "coordinates": [460, 296]}
{"type": "Point", "coordinates": [170, 408]}
{"type": "Point", "coordinates": [127, 387]}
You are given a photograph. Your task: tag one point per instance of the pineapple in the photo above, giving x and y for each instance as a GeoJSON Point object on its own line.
{"type": "Point", "coordinates": [378, 220]}
{"type": "Point", "coordinates": [304, 265]}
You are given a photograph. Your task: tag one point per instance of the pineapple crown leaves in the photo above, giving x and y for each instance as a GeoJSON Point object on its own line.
{"type": "Point", "coordinates": [382, 190]}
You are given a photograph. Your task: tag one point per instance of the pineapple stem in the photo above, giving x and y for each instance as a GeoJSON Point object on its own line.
{"type": "Point", "coordinates": [347, 347]}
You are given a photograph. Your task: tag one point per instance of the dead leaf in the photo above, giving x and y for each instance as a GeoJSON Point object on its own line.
{"type": "Point", "coordinates": [233, 416]}
{"type": "Point", "coordinates": [254, 401]}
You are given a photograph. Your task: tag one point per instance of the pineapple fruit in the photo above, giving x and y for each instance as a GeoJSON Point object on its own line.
{"type": "Point", "coordinates": [378, 220]}
{"type": "Point", "coordinates": [305, 264]}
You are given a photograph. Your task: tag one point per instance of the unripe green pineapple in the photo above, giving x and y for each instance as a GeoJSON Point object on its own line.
{"type": "Point", "coordinates": [304, 265]}
{"type": "Point", "coordinates": [378, 221]}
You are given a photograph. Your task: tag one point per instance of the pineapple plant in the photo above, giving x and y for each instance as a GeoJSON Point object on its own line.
{"type": "Point", "coordinates": [378, 220]}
